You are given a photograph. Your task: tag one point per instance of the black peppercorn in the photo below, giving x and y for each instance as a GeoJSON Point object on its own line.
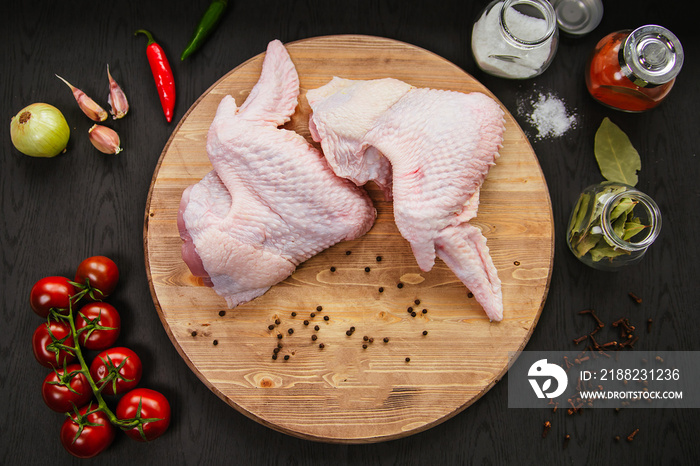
{"type": "Point", "coordinates": [332, 269]}
{"type": "Point", "coordinates": [379, 258]}
{"type": "Point", "coordinates": [286, 357]}
{"type": "Point", "coordinates": [270, 327]}
{"type": "Point", "coordinates": [294, 314]}
{"type": "Point", "coordinates": [319, 308]}
{"type": "Point", "coordinates": [416, 302]}
{"type": "Point", "coordinates": [399, 285]}
{"type": "Point", "coordinates": [277, 321]}
{"type": "Point", "coordinates": [279, 336]}
{"type": "Point", "coordinates": [222, 313]}
{"type": "Point", "coordinates": [381, 289]}
{"type": "Point", "coordinates": [274, 356]}
{"type": "Point", "coordinates": [348, 332]}
{"type": "Point", "coordinates": [347, 253]}
{"type": "Point", "coordinates": [367, 269]}
{"type": "Point", "coordinates": [316, 327]}
{"type": "Point", "coordinates": [321, 345]}
{"type": "Point", "coordinates": [314, 337]}
{"type": "Point", "coordinates": [312, 315]}
{"type": "Point", "coordinates": [424, 311]}
{"type": "Point", "coordinates": [425, 332]}
{"type": "Point", "coordinates": [326, 318]}
{"type": "Point", "coordinates": [216, 342]}
{"type": "Point", "coordinates": [386, 339]}
{"type": "Point", "coordinates": [413, 314]}
{"type": "Point", "coordinates": [290, 331]}
{"type": "Point", "coordinates": [306, 322]}
{"type": "Point", "coordinates": [408, 359]}
{"type": "Point", "coordinates": [364, 346]}
{"type": "Point", "coordinates": [194, 334]}
{"type": "Point", "coordinates": [409, 310]}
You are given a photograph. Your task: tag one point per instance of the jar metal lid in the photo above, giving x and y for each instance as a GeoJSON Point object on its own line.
{"type": "Point", "coordinates": [578, 17]}
{"type": "Point", "coordinates": [651, 55]}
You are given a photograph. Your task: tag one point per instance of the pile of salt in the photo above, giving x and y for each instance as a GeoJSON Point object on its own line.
{"type": "Point", "coordinates": [548, 114]}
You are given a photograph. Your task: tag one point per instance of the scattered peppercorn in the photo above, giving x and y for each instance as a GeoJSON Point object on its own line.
{"type": "Point", "coordinates": [367, 269]}
{"type": "Point", "coordinates": [332, 269]}
{"type": "Point", "coordinates": [365, 338]}
{"type": "Point", "coordinates": [275, 350]}
{"type": "Point", "coordinates": [312, 315]}
{"type": "Point", "coordinates": [408, 359]}
{"type": "Point", "coordinates": [222, 313]}
{"type": "Point", "coordinates": [347, 253]}
{"type": "Point", "coordinates": [313, 337]}
{"type": "Point", "coordinates": [424, 311]}
{"type": "Point", "coordinates": [399, 285]}
{"type": "Point", "coordinates": [306, 322]}
{"type": "Point", "coordinates": [516, 263]}
{"type": "Point", "coordinates": [216, 342]}
{"type": "Point", "coordinates": [416, 302]}
{"type": "Point", "coordinates": [413, 314]}
{"type": "Point", "coordinates": [326, 318]}
{"type": "Point", "coordinates": [316, 327]}
{"type": "Point", "coordinates": [319, 308]}
{"type": "Point", "coordinates": [379, 258]}
{"type": "Point", "coordinates": [470, 295]}
{"type": "Point", "coordinates": [274, 356]}
{"type": "Point", "coordinates": [290, 331]}
{"type": "Point", "coordinates": [194, 333]}
{"type": "Point", "coordinates": [277, 321]}
{"type": "Point", "coordinates": [279, 336]}
{"type": "Point", "coordinates": [386, 339]}
{"type": "Point", "coordinates": [352, 328]}
{"type": "Point", "coordinates": [371, 340]}
{"type": "Point", "coordinates": [364, 346]}
{"type": "Point", "coordinates": [270, 327]}
{"type": "Point", "coordinates": [294, 314]}
{"type": "Point", "coordinates": [409, 309]}
{"type": "Point", "coordinates": [425, 332]}
{"type": "Point", "coordinates": [348, 332]}
{"type": "Point", "coordinates": [321, 345]}
{"type": "Point", "coordinates": [381, 289]}
{"type": "Point", "coordinates": [286, 357]}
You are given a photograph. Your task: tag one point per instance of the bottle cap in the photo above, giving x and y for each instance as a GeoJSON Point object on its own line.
{"type": "Point", "coordinates": [578, 17]}
{"type": "Point", "coordinates": [651, 55]}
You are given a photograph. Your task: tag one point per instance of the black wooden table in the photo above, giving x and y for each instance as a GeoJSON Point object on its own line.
{"type": "Point", "coordinates": [57, 212]}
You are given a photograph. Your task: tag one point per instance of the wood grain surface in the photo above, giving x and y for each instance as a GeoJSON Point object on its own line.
{"type": "Point", "coordinates": [345, 392]}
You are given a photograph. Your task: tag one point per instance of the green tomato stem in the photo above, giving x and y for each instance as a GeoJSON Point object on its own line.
{"type": "Point", "coordinates": [102, 405]}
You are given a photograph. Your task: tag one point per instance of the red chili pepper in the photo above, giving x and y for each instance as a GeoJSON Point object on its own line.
{"type": "Point", "coordinates": [162, 74]}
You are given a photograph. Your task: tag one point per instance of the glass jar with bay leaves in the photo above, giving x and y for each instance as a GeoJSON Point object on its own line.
{"type": "Point", "coordinates": [612, 225]}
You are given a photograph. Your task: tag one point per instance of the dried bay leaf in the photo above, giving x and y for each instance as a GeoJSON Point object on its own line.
{"type": "Point", "coordinates": [617, 158]}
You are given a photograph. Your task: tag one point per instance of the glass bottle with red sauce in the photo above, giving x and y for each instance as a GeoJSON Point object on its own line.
{"type": "Point", "coordinates": [635, 70]}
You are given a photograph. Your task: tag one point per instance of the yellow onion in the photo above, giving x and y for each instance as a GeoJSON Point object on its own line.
{"type": "Point", "coordinates": [39, 130]}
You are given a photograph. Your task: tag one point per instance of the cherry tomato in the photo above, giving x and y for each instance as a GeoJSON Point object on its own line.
{"type": "Point", "coordinates": [51, 292]}
{"type": "Point", "coordinates": [95, 436]}
{"type": "Point", "coordinates": [98, 325]}
{"type": "Point", "coordinates": [58, 396]}
{"type": "Point", "coordinates": [101, 273]}
{"type": "Point", "coordinates": [118, 369]}
{"type": "Point", "coordinates": [47, 341]}
{"type": "Point", "coordinates": [151, 407]}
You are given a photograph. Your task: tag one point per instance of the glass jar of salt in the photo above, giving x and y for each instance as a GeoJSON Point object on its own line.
{"type": "Point", "coordinates": [515, 39]}
{"type": "Point", "coordinates": [612, 225]}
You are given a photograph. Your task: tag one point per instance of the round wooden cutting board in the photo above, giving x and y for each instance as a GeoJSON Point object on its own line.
{"type": "Point", "coordinates": [354, 390]}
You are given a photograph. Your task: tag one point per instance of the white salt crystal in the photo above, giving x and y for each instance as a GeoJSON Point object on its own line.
{"type": "Point", "coordinates": [548, 114]}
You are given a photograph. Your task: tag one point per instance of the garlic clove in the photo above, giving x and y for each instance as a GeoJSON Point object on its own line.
{"type": "Point", "coordinates": [117, 99]}
{"type": "Point", "coordinates": [86, 104]}
{"type": "Point", "coordinates": [106, 140]}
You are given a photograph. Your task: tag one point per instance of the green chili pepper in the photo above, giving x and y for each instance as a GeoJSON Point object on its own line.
{"type": "Point", "coordinates": [208, 22]}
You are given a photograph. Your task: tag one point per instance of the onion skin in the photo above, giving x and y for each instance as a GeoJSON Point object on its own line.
{"type": "Point", "coordinates": [40, 130]}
